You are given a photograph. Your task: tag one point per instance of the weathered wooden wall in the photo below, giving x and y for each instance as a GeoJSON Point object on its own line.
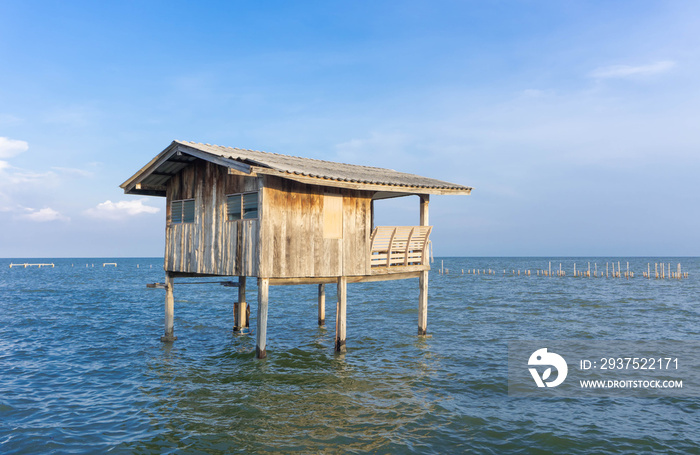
{"type": "Point", "coordinates": [292, 232]}
{"type": "Point", "coordinates": [288, 240]}
{"type": "Point", "coordinates": [211, 245]}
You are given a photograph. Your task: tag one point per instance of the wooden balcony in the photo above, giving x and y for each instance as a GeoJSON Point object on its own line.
{"type": "Point", "coordinates": [396, 249]}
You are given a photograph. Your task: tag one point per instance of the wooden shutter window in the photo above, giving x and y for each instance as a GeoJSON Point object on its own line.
{"type": "Point", "coordinates": [250, 206]}
{"type": "Point", "coordinates": [176, 212]}
{"type": "Point", "coordinates": [242, 206]}
{"type": "Point", "coordinates": [182, 211]}
{"type": "Point", "coordinates": [188, 211]}
{"type": "Point", "coordinates": [233, 207]}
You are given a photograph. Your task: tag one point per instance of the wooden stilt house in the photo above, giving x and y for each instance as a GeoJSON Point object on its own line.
{"type": "Point", "coordinates": [284, 220]}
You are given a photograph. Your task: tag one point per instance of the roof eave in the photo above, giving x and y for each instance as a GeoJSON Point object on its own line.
{"type": "Point", "coordinates": [132, 185]}
{"type": "Point", "coordinates": [129, 185]}
{"type": "Point", "coordinates": [140, 184]}
{"type": "Point", "coordinates": [362, 186]}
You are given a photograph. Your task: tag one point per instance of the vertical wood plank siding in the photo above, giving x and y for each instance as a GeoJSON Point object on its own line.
{"type": "Point", "coordinates": [211, 245]}
{"type": "Point", "coordinates": [293, 232]}
{"type": "Point", "coordinates": [285, 241]}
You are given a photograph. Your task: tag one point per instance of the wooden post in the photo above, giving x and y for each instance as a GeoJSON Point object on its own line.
{"type": "Point", "coordinates": [169, 310]}
{"type": "Point", "coordinates": [240, 309]}
{"type": "Point", "coordinates": [321, 305]}
{"type": "Point", "coordinates": [261, 338]}
{"type": "Point", "coordinates": [423, 303]}
{"type": "Point", "coordinates": [341, 314]}
{"type": "Point", "coordinates": [424, 218]}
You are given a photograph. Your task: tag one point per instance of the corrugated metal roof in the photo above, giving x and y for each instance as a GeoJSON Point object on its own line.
{"type": "Point", "coordinates": [324, 169]}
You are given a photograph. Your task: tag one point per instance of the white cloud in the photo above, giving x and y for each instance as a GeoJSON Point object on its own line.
{"type": "Point", "coordinates": [17, 185]}
{"type": "Point", "coordinates": [7, 119]}
{"type": "Point", "coordinates": [43, 215]}
{"type": "Point", "coordinates": [623, 71]}
{"type": "Point", "coordinates": [72, 116]}
{"type": "Point", "coordinates": [11, 147]}
{"type": "Point", "coordinates": [120, 210]}
{"type": "Point", "coordinates": [381, 149]}
{"type": "Point", "coordinates": [20, 188]}
{"type": "Point", "coordinates": [532, 93]}
{"type": "Point", "coordinates": [73, 172]}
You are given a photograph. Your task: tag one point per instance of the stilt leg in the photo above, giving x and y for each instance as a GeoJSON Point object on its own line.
{"type": "Point", "coordinates": [321, 304]}
{"type": "Point", "coordinates": [261, 337]}
{"type": "Point", "coordinates": [240, 308]}
{"type": "Point", "coordinates": [169, 310]}
{"type": "Point", "coordinates": [423, 304]}
{"type": "Point", "coordinates": [340, 314]}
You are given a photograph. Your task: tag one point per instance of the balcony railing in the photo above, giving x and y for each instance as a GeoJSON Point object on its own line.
{"type": "Point", "coordinates": [395, 246]}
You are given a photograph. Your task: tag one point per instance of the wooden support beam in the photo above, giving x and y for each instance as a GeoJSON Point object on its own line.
{"type": "Point", "coordinates": [424, 201]}
{"type": "Point", "coordinates": [378, 274]}
{"type": "Point", "coordinates": [240, 308]}
{"type": "Point", "coordinates": [321, 305]}
{"type": "Point", "coordinates": [232, 171]}
{"type": "Point", "coordinates": [340, 314]}
{"type": "Point", "coordinates": [423, 304]}
{"type": "Point", "coordinates": [296, 281]}
{"type": "Point", "coordinates": [169, 310]}
{"type": "Point", "coordinates": [144, 186]}
{"type": "Point", "coordinates": [196, 275]}
{"type": "Point", "coordinates": [261, 337]}
{"type": "Point", "coordinates": [394, 275]}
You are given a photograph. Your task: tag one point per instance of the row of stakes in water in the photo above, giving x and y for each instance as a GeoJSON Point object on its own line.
{"type": "Point", "coordinates": [25, 265]}
{"type": "Point", "coordinates": [660, 272]}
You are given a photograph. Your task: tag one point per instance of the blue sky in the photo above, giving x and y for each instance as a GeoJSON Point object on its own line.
{"type": "Point", "coordinates": [577, 123]}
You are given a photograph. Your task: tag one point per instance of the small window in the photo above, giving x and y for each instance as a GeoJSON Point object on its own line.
{"type": "Point", "coordinates": [242, 206]}
{"type": "Point", "coordinates": [182, 211]}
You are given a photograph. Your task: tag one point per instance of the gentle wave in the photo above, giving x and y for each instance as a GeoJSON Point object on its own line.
{"type": "Point", "coordinates": [82, 369]}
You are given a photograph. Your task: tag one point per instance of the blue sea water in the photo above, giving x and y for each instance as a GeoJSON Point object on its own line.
{"type": "Point", "coordinates": [82, 368]}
